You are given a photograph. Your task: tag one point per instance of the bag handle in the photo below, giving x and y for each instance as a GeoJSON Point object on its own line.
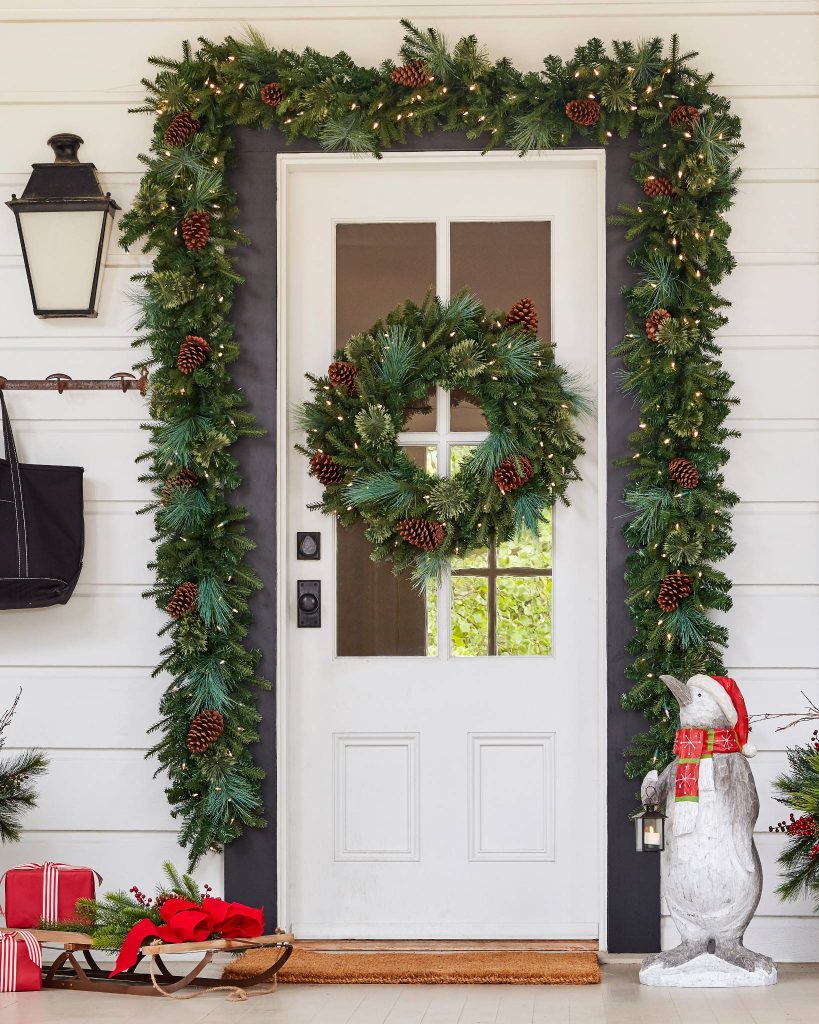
{"type": "Point", "coordinates": [16, 490]}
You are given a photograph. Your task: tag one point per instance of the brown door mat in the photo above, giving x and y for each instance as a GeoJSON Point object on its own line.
{"type": "Point", "coordinates": [429, 967]}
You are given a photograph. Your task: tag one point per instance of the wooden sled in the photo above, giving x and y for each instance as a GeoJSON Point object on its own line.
{"type": "Point", "coordinates": [75, 967]}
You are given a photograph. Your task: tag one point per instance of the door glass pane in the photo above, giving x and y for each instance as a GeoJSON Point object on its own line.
{"type": "Point", "coordinates": [524, 615]}
{"type": "Point", "coordinates": [379, 266]}
{"type": "Point", "coordinates": [470, 618]}
{"type": "Point", "coordinates": [471, 559]}
{"type": "Point", "coordinates": [503, 261]}
{"type": "Point", "coordinates": [465, 412]}
{"type": "Point", "coordinates": [528, 550]}
{"type": "Point", "coordinates": [377, 614]}
{"type": "Point", "coordinates": [457, 454]}
{"type": "Point", "coordinates": [423, 415]}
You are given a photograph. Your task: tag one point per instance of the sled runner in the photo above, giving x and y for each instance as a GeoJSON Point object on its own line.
{"type": "Point", "coordinates": [76, 968]}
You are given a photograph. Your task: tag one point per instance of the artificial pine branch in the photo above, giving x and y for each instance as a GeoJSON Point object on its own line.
{"type": "Point", "coordinates": [17, 794]}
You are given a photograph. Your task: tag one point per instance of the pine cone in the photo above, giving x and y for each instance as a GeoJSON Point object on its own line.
{"type": "Point", "coordinates": [426, 534]}
{"type": "Point", "coordinates": [343, 375]}
{"type": "Point", "coordinates": [523, 313]}
{"type": "Point", "coordinates": [674, 589]}
{"type": "Point", "coordinates": [196, 229]}
{"type": "Point", "coordinates": [183, 480]}
{"type": "Point", "coordinates": [684, 473]}
{"type": "Point", "coordinates": [513, 473]}
{"type": "Point", "coordinates": [585, 112]}
{"type": "Point", "coordinates": [205, 730]}
{"type": "Point", "coordinates": [181, 128]}
{"type": "Point", "coordinates": [183, 600]}
{"type": "Point", "coordinates": [192, 353]}
{"type": "Point", "coordinates": [653, 321]}
{"type": "Point", "coordinates": [272, 94]}
{"type": "Point", "coordinates": [683, 115]}
{"type": "Point", "coordinates": [325, 470]}
{"type": "Point", "coordinates": [412, 75]}
{"type": "Point", "coordinates": [654, 187]}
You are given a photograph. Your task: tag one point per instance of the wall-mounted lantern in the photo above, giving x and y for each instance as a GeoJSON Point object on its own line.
{"type": "Point", "coordinates": [64, 221]}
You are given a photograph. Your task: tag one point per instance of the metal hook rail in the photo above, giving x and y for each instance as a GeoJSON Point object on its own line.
{"type": "Point", "coordinates": [61, 382]}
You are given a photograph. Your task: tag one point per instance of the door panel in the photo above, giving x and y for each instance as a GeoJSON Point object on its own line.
{"type": "Point", "coordinates": [437, 748]}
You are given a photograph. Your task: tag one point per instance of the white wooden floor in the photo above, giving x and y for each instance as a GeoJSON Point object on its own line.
{"type": "Point", "coordinates": [619, 1000]}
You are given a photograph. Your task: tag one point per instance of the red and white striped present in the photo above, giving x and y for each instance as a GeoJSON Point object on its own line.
{"type": "Point", "coordinates": [47, 892]}
{"type": "Point", "coordinates": [21, 961]}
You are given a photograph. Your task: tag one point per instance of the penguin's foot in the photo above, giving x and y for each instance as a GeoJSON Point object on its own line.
{"type": "Point", "coordinates": [733, 952]}
{"type": "Point", "coordinates": [675, 957]}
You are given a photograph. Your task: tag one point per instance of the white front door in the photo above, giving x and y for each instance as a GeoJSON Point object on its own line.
{"type": "Point", "coordinates": [441, 759]}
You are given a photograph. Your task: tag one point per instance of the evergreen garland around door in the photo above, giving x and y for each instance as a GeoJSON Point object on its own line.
{"type": "Point", "coordinates": [184, 212]}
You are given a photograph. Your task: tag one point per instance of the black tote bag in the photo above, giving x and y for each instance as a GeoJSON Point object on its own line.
{"type": "Point", "coordinates": [41, 529]}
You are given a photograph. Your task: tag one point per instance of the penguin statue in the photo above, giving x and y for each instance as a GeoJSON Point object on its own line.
{"type": "Point", "coordinates": [711, 872]}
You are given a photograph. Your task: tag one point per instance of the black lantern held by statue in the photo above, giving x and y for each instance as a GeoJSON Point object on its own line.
{"type": "Point", "coordinates": [650, 827]}
{"type": "Point", "coordinates": [64, 221]}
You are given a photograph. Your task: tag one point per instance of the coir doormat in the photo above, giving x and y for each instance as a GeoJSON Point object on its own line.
{"type": "Point", "coordinates": [433, 967]}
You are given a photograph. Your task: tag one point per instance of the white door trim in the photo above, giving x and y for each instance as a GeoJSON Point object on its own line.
{"type": "Point", "coordinates": [285, 163]}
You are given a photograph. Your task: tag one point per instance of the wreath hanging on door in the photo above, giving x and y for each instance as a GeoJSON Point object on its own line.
{"type": "Point", "coordinates": [414, 517]}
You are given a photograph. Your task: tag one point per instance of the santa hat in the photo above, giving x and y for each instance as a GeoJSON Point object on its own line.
{"type": "Point", "coordinates": [727, 695]}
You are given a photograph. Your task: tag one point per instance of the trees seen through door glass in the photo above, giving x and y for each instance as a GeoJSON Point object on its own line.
{"type": "Point", "coordinates": [499, 600]}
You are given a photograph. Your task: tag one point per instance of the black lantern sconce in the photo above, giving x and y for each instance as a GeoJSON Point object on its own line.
{"type": "Point", "coordinates": [64, 221]}
{"type": "Point", "coordinates": [650, 827]}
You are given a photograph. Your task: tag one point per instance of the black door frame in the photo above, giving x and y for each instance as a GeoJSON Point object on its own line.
{"type": "Point", "coordinates": [633, 883]}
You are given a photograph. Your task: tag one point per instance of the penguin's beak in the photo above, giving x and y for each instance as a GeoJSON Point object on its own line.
{"type": "Point", "coordinates": [680, 690]}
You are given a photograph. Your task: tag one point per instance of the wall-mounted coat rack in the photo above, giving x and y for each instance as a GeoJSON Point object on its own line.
{"type": "Point", "coordinates": [60, 382]}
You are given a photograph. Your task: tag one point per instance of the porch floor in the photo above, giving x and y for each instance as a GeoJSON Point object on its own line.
{"type": "Point", "coordinates": [618, 1000]}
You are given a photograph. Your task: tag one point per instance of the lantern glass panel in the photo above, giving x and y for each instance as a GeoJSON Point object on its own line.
{"type": "Point", "coordinates": [650, 828]}
{"type": "Point", "coordinates": [63, 250]}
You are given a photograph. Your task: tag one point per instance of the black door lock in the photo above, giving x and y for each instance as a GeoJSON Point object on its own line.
{"type": "Point", "coordinates": [308, 604]}
{"type": "Point", "coordinates": [308, 545]}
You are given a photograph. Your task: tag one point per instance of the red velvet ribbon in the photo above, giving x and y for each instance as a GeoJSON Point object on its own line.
{"type": "Point", "coordinates": [189, 922]}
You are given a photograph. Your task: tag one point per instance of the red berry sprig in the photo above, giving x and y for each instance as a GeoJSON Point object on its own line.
{"type": "Point", "coordinates": [140, 897]}
{"type": "Point", "coordinates": [800, 828]}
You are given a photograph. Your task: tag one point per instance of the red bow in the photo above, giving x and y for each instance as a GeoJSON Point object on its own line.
{"type": "Point", "coordinates": [189, 922]}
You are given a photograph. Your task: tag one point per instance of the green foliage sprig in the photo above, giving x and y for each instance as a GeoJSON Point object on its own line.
{"type": "Point", "coordinates": [682, 390]}
{"type": "Point", "coordinates": [798, 788]}
{"type": "Point", "coordinates": [109, 919]}
{"type": "Point", "coordinates": [17, 793]}
{"type": "Point", "coordinates": [527, 398]}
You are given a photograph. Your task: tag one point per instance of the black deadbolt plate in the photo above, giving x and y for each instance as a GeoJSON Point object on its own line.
{"type": "Point", "coordinates": [308, 604]}
{"type": "Point", "coordinates": [308, 546]}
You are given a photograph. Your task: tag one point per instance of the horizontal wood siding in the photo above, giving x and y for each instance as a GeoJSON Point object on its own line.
{"type": "Point", "coordinates": [86, 668]}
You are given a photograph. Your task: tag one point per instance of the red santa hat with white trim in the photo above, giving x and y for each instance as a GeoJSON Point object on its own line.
{"type": "Point", "coordinates": [727, 695]}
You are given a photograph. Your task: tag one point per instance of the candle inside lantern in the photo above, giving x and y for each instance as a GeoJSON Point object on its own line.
{"type": "Point", "coordinates": [651, 837]}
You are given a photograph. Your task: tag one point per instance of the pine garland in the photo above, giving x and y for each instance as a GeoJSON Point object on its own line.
{"type": "Point", "coordinates": [683, 392]}
{"type": "Point", "coordinates": [530, 407]}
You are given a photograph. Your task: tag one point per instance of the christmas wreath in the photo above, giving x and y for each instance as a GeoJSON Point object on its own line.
{"type": "Point", "coordinates": [418, 519]}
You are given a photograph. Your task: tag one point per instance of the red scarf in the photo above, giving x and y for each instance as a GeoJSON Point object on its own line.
{"type": "Point", "coordinates": [691, 746]}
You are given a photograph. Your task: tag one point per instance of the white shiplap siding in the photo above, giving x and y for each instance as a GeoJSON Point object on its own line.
{"type": "Point", "coordinates": [86, 668]}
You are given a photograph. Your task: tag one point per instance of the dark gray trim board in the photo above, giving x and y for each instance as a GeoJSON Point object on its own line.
{"type": "Point", "coordinates": [250, 863]}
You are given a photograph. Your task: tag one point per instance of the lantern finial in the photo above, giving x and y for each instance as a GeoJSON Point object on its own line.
{"type": "Point", "coordinates": [65, 146]}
